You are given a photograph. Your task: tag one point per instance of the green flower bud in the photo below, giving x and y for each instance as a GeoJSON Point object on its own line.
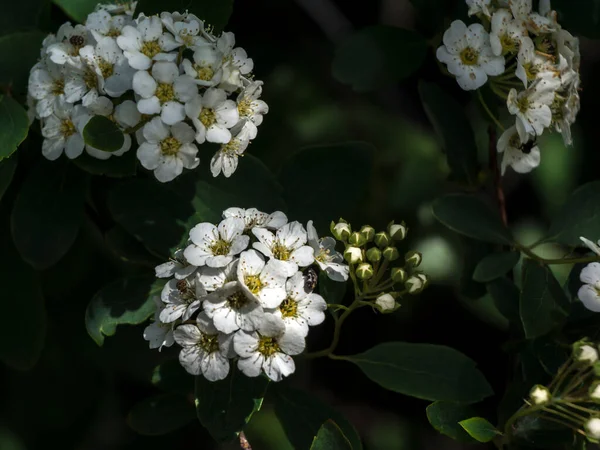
{"type": "Point", "coordinates": [341, 230]}
{"type": "Point", "coordinates": [374, 255]}
{"type": "Point", "coordinates": [595, 391]}
{"type": "Point", "coordinates": [397, 232]}
{"type": "Point", "coordinates": [353, 255]}
{"type": "Point", "coordinates": [382, 239]}
{"type": "Point", "coordinates": [413, 259]}
{"type": "Point", "coordinates": [539, 395]}
{"type": "Point", "coordinates": [398, 275]}
{"type": "Point", "coordinates": [364, 271]}
{"type": "Point", "coordinates": [416, 283]}
{"type": "Point", "coordinates": [368, 232]}
{"type": "Point", "coordinates": [391, 253]}
{"type": "Point", "coordinates": [585, 352]}
{"type": "Point", "coordinates": [357, 239]}
{"type": "Point", "coordinates": [386, 302]}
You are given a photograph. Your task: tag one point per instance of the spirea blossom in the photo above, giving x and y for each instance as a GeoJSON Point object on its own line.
{"type": "Point", "coordinates": [230, 305]}
{"type": "Point", "coordinates": [182, 80]}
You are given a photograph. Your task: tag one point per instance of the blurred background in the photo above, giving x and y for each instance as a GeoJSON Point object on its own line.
{"type": "Point", "coordinates": [78, 395]}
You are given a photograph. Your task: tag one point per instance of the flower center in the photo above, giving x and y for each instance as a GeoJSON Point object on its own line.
{"type": "Point", "coordinates": [514, 141]}
{"type": "Point", "coordinates": [281, 252]}
{"type": "Point", "coordinates": [187, 38]}
{"type": "Point", "coordinates": [237, 300]}
{"type": "Point", "coordinates": [268, 346]}
{"type": "Point", "coordinates": [523, 104]}
{"type": "Point", "coordinates": [323, 256]}
{"type": "Point", "coordinates": [58, 87]}
{"type": "Point", "coordinates": [289, 308]}
{"type": "Point", "coordinates": [165, 92]}
{"type": "Point", "coordinates": [207, 117]}
{"type": "Point", "coordinates": [67, 128]}
{"type": "Point", "coordinates": [150, 49]}
{"type": "Point", "coordinates": [186, 291]}
{"type": "Point", "coordinates": [209, 343]}
{"type": "Point", "coordinates": [113, 32]}
{"type": "Point", "coordinates": [245, 108]}
{"type": "Point", "coordinates": [170, 146]}
{"type": "Point", "coordinates": [231, 148]}
{"type": "Point", "coordinates": [90, 79]}
{"type": "Point", "coordinates": [204, 73]}
{"type": "Point", "coordinates": [531, 71]}
{"type": "Point", "coordinates": [220, 248]}
{"type": "Point", "coordinates": [545, 44]}
{"type": "Point", "coordinates": [469, 56]}
{"type": "Point", "coordinates": [106, 68]}
{"type": "Point", "coordinates": [509, 45]}
{"type": "Point", "coordinates": [254, 284]}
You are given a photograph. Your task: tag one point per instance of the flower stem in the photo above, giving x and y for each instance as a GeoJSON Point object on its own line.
{"type": "Point", "coordinates": [489, 111]}
{"type": "Point", "coordinates": [532, 255]}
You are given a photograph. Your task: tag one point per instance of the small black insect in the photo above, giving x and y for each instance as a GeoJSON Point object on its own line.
{"type": "Point", "coordinates": [310, 282]}
{"type": "Point", "coordinates": [528, 146]}
{"type": "Point", "coordinates": [77, 40]}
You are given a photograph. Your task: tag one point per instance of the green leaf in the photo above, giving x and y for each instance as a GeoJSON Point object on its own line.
{"type": "Point", "coordinates": [368, 59]}
{"type": "Point", "coordinates": [302, 415]}
{"type": "Point", "coordinates": [114, 167]}
{"type": "Point", "coordinates": [472, 217]}
{"type": "Point", "coordinates": [77, 9]}
{"type": "Point", "coordinates": [160, 414]}
{"type": "Point", "coordinates": [18, 53]}
{"type": "Point", "coordinates": [580, 216]}
{"type": "Point", "coordinates": [445, 416]}
{"type": "Point", "coordinates": [225, 407]}
{"type": "Point", "coordinates": [453, 129]}
{"type": "Point", "coordinates": [48, 211]}
{"type": "Point", "coordinates": [170, 376]}
{"type": "Point", "coordinates": [495, 265]}
{"type": "Point", "coordinates": [14, 126]}
{"type": "Point", "coordinates": [24, 341]}
{"type": "Point", "coordinates": [330, 437]}
{"type": "Point", "coordinates": [103, 134]}
{"type": "Point", "coordinates": [579, 17]}
{"type": "Point", "coordinates": [213, 12]}
{"type": "Point", "coordinates": [24, 14]}
{"type": "Point", "coordinates": [128, 249]}
{"type": "Point", "coordinates": [480, 429]}
{"type": "Point", "coordinates": [128, 301]}
{"type": "Point", "coordinates": [342, 170]}
{"type": "Point", "coordinates": [543, 305]}
{"type": "Point", "coordinates": [429, 372]}
{"type": "Point", "coordinates": [7, 171]}
{"type": "Point", "coordinates": [506, 298]}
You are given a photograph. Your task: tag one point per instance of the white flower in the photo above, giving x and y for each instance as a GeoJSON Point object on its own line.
{"type": "Point", "coordinates": [385, 302]}
{"type": "Point", "coordinates": [301, 308]}
{"type": "Point", "coordinates": [326, 256]}
{"type": "Point", "coordinates": [113, 72]}
{"type": "Point", "coordinates": [262, 281]}
{"type": "Point", "coordinates": [164, 92]}
{"type": "Point", "coordinates": [205, 350]}
{"type": "Point", "coordinates": [167, 150]}
{"type": "Point", "coordinates": [536, 23]}
{"type": "Point", "coordinates": [568, 47]}
{"type": "Point", "coordinates": [177, 267]}
{"type": "Point", "coordinates": [125, 115]}
{"type": "Point", "coordinates": [593, 247]}
{"type": "Point", "coordinates": [506, 34]}
{"type": "Point", "coordinates": [214, 278]}
{"type": "Point", "coordinates": [63, 131]}
{"type": "Point", "coordinates": [235, 63]}
{"type": "Point", "coordinates": [119, 7]}
{"type": "Point", "coordinates": [479, 6]}
{"type": "Point", "coordinates": [268, 350]}
{"type": "Point", "coordinates": [587, 354]}
{"type": "Point", "coordinates": [589, 293]}
{"type": "Point", "coordinates": [353, 255]}
{"type": "Point", "coordinates": [69, 40]}
{"type": "Point", "coordinates": [216, 246]}
{"type": "Point", "coordinates": [539, 394]}
{"type": "Point", "coordinates": [213, 115]}
{"type": "Point", "coordinates": [468, 55]}
{"type": "Point", "coordinates": [206, 69]}
{"type": "Point", "coordinates": [288, 246]}
{"type": "Point", "coordinates": [416, 283]}
{"type": "Point", "coordinates": [185, 29]}
{"type": "Point", "coordinates": [592, 427]}
{"type": "Point", "coordinates": [146, 43]}
{"type": "Point", "coordinates": [47, 86]}
{"type": "Point", "coordinates": [523, 157]}
{"type": "Point", "coordinates": [529, 63]}
{"type": "Point", "coordinates": [103, 24]}
{"type": "Point", "coordinates": [157, 333]}
{"type": "Point", "coordinates": [250, 108]}
{"type": "Point", "coordinates": [532, 106]}
{"type": "Point", "coordinates": [252, 217]}
{"type": "Point", "coordinates": [182, 298]}
{"type": "Point", "coordinates": [226, 158]}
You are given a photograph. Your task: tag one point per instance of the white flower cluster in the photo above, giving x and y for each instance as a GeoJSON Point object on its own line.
{"type": "Point", "coordinates": [243, 289]}
{"type": "Point", "coordinates": [531, 62]}
{"type": "Point", "coordinates": [167, 78]}
{"type": "Point", "coordinates": [589, 293]}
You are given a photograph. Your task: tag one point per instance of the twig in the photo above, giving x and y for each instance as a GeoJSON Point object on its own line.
{"type": "Point", "coordinates": [493, 156]}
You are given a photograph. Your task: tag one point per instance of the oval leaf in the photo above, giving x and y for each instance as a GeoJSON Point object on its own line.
{"type": "Point", "coordinates": [480, 429]}
{"type": "Point", "coordinates": [103, 134]}
{"type": "Point", "coordinates": [445, 417]}
{"type": "Point", "coordinates": [472, 217]}
{"type": "Point", "coordinates": [302, 415]}
{"type": "Point", "coordinates": [330, 437]}
{"type": "Point", "coordinates": [543, 305]}
{"type": "Point", "coordinates": [48, 211]}
{"type": "Point", "coordinates": [580, 216]}
{"type": "Point", "coordinates": [114, 167]}
{"type": "Point", "coordinates": [18, 53]}
{"type": "Point", "coordinates": [453, 129]}
{"type": "Point", "coordinates": [160, 415]}
{"type": "Point", "coordinates": [77, 9]}
{"type": "Point", "coordinates": [7, 171]}
{"type": "Point", "coordinates": [506, 298]}
{"type": "Point", "coordinates": [14, 126]}
{"type": "Point", "coordinates": [126, 301]}
{"type": "Point", "coordinates": [379, 65]}
{"type": "Point", "coordinates": [430, 372]}
{"type": "Point", "coordinates": [494, 266]}
{"type": "Point", "coordinates": [225, 407]}
{"type": "Point", "coordinates": [213, 12]}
